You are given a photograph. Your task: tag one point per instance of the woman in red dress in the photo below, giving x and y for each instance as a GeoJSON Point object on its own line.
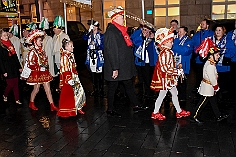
{"type": "Point", "coordinates": [72, 97]}
{"type": "Point", "coordinates": [37, 61]}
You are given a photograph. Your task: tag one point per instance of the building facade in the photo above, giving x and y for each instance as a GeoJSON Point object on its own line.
{"type": "Point", "coordinates": [158, 12]}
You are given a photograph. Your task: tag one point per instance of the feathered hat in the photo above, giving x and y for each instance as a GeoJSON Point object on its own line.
{"type": "Point", "coordinates": [116, 11]}
{"type": "Point", "coordinates": [14, 30]}
{"type": "Point", "coordinates": [44, 24]}
{"type": "Point", "coordinates": [58, 22]}
{"type": "Point", "coordinates": [31, 26]}
{"type": "Point", "coordinates": [34, 34]}
{"type": "Point", "coordinates": [207, 46]}
{"type": "Point", "coordinates": [163, 35]}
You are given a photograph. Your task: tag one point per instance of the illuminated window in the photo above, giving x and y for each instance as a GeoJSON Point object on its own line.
{"type": "Point", "coordinates": [165, 11]}
{"type": "Point", "coordinates": [223, 9]}
{"type": "Point", "coordinates": [107, 6]}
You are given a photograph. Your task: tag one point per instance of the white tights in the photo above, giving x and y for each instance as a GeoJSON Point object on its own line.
{"type": "Point", "coordinates": [162, 94]}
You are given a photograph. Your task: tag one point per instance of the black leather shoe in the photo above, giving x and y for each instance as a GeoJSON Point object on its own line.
{"type": "Point", "coordinates": [196, 120]}
{"type": "Point", "coordinates": [113, 114]}
{"type": "Point", "coordinates": [137, 109]}
{"type": "Point", "coordinates": [222, 117]}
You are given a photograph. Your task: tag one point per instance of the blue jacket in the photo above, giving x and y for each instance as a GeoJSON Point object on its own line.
{"type": "Point", "coordinates": [98, 49]}
{"type": "Point", "coordinates": [232, 36]}
{"type": "Point", "coordinates": [184, 48]}
{"type": "Point", "coordinates": [227, 49]}
{"type": "Point", "coordinates": [151, 48]}
{"type": "Point", "coordinates": [197, 40]}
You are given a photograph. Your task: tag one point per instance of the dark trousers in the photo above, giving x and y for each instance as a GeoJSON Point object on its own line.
{"type": "Point", "coordinates": [182, 86]}
{"type": "Point", "coordinates": [112, 86]}
{"type": "Point", "coordinates": [12, 84]}
{"type": "Point", "coordinates": [224, 81]}
{"type": "Point", "coordinates": [233, 78]}
{"type": "Point", "coordinates": [97, 82]}
{"type": "Point", "coordinates": [199, 73]}
{"type": "Point", "coordinates": [202, 104]}
{"type": "Point", "coordinates": [145, 77]}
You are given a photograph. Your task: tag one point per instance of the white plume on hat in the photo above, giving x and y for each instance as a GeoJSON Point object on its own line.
{"type": "Point", "coordinates": [34, 34]}
{"type": "Point", "coordinates": [14, 30]}
{"type": "Point", "coordinates": [115, 11]}
{"type": "Point", "coordinates": [163, 34]}
{"type": "Point", "coordinates": [44, 24]}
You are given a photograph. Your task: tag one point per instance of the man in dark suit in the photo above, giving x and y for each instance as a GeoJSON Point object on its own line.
{"type": "Point", "coordinates": [118, 60]}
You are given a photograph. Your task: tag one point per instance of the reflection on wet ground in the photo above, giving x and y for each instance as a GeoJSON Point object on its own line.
{"type": "Point", "coordinates": [24, 132]}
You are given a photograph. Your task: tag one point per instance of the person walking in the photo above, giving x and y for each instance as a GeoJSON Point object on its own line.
{"type": "Point", "coordinates": [72, 97]}
{"type": "Point", "coordinates": [209, 84]}
{"type": "Point", "coordinates": [10, 66]}
{"type": "Point", "coordinates": [37, 61]}
{"type": "Point", "coordinates": [165, 76]}
{"type": "Point", "coordinates": [118, 60]}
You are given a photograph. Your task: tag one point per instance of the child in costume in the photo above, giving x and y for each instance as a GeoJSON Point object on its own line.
{"type": "Point", "coordinates": [209, 84]}
{"type": "Point", "coordinates": [37, 61]}
{"type": "Point", "coordinates": [165, 76]}
{"type": "Point", "coordinates": [72, 97]}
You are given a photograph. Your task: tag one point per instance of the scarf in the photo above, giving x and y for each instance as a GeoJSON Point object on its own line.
{"type": "Point", "coordinates": [9, 46]}
{"type": "Point", "coordinates": [123, 30]}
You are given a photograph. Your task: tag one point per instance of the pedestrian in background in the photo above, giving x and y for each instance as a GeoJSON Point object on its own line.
{"type": "Point", "coordinates": [10, 66]}
{"type": "Point", "coordinates": [94, 59]}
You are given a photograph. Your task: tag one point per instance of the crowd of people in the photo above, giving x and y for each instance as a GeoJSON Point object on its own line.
{"type": "Point", "coordinates": [161, 58]}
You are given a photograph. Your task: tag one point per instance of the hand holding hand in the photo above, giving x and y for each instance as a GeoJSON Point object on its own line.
{"type": "Point", "coordinates": [5, 75]}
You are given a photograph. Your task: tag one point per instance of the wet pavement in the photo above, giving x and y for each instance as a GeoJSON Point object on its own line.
{"type": "Point", "coordinates": [27, 133]}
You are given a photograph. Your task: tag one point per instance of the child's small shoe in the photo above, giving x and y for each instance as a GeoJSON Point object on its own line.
{"type": "Point", "coordinates": [158, 116]}
{"type": "Point", "coordinates": [183, 113]}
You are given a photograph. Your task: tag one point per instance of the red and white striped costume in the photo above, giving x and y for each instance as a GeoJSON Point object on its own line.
{"type": "Point", "coordinates": [165, 75]}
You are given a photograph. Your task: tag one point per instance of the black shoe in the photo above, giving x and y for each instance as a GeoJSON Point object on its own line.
{"type": "Point", "coordinates": [222, 117]}
{"type": "Point", "coordinates": [113, 114]}
{"type": "Point", "coordinates": [196, 120]}
{"type": "Point", "coordinates": [137, 109]}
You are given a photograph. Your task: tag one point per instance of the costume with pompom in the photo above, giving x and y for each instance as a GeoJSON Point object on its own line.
{"type": "Point", "coordinates": [37, 61]}
{"type": "Point", "coordinates": [165, 75]}
{"type": "Point", "coordinates": [72, 97]}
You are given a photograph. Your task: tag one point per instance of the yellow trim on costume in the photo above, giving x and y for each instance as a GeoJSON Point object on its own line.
{"type": "Point", "coordinates": [200, 107]}
{"type": "Point", "coordinates": [206, 81]}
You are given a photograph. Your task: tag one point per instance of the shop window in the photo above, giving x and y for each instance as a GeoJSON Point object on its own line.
{"type": "Point", "coordinates": [107, 6]}
{"type": "Point", "coordinates": [165, 11]}
{"type": "Point", "coordinates": [223, 9]}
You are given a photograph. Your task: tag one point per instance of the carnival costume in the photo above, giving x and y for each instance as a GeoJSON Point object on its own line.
{"type": "Point", "coordinates": [165, 76]}
{"type": "Point", "coordinates": [57, 42]}
{"type": "Point", "coordinates": [37, 62]}
{"type": "Point", "coordinates": [48, 45]}
{"type": "Point", "coordinates": [209, 84]}
{"type": "Point", "coordinates": [72, 97]}
{"type": "Point", "coordinates": [94, 59]}
{"type": "Point", "coordinates": [146, 55]}
{"type": "Point", "coordinates": [25, 46]}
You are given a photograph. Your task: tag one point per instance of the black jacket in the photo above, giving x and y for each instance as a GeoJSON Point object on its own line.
{"type": "Point", "coordinates": [9, 64]}
{"type": "Point", "coordinates": [117, 55]}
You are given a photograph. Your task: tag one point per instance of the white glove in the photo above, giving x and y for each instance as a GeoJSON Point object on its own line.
{"type": "Point", "coordinates": [90, 28]}
{"type": "Point", "coordinates": [180, 72]}
{"type": "Point", "coordinates": [71, 82]}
